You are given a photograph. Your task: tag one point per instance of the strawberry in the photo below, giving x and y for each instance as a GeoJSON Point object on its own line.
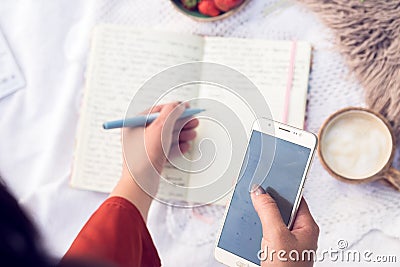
{"type": "Point", "coordinates": [226, 5]}
{"type": "Point", "coordinates": [208, 7]}
{"type": "Point", "coordinates": [189, 4]}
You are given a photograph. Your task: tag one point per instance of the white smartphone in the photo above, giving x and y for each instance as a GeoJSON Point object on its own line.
{"type": "Point", "coordinates": [277, 158]}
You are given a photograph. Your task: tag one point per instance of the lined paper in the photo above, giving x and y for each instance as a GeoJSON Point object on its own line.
{"type": "Point", "coordinates": [121, 60]}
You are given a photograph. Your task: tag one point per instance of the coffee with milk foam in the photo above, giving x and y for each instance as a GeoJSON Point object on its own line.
{"type": "Point", "coordinates": [356, 145]}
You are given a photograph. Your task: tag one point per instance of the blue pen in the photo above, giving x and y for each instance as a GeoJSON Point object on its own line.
{"type": "Point", "coordinates": [140, 121]}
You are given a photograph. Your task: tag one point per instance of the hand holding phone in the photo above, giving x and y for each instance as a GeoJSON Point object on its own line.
{"type": "Point", "coordinates": [262, 218]}
{"type": "Point", "coordinates": [276, 235]}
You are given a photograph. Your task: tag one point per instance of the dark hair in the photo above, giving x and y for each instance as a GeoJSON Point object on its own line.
{"type": "Point", "coordinates": [19, 240]}
{"type": "Point", "coordinates": [19, 244]}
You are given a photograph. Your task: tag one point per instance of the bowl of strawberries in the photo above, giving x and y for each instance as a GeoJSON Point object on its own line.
{"type": "Point", "coordinates": [208, 10]}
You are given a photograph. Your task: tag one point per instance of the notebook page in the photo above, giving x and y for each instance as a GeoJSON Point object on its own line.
{"type": "Point", "coordinates": [267, 63]}
{"type": "Point", "coordinates": [121, 59]}
{"type": "Point", "coordinates": [228, 130]}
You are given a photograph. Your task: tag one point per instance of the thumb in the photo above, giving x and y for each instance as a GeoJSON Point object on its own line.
{"type": "Point", "coordinates": [267, 210]}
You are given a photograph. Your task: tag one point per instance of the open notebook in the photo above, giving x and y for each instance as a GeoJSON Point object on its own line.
{"type": "Point", "coordinates": [122, 58]}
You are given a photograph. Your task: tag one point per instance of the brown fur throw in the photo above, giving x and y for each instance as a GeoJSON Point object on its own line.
{"type": "Point", "coordinates": [368, 36]}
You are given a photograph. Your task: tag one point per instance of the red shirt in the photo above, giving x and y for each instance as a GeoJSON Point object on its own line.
{"type": "Point", "coordinates": [115, 234]}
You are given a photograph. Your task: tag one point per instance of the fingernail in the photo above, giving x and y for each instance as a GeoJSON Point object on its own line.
{"type": "Point", "coordinates": [181, 107]}
{"type": "Point", "coordinates": [257, 189]}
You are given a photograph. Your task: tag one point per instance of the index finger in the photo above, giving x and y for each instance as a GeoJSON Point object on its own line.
{"type": "Point", "coordinates": [153, 109]}
{"type": "Point", "coordinates": [158, 108]}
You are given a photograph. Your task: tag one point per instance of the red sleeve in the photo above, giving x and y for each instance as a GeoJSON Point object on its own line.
{"type": "Point", "coordinates": [116, 234]}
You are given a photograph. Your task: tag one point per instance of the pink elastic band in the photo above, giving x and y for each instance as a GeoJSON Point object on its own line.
{"type": "Point", "coordinates": [289, 82]}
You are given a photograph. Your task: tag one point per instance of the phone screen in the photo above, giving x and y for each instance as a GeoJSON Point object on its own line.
{"type": "Point", "coordinates": [242, 232]}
